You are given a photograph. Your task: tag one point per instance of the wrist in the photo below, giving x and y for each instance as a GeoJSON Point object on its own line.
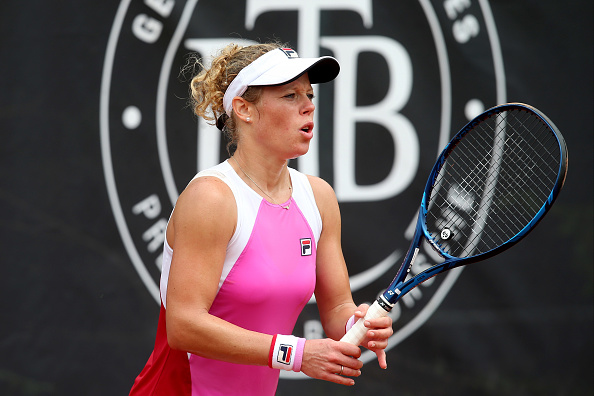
{"type": "Point", "coordinates": [286, 352]}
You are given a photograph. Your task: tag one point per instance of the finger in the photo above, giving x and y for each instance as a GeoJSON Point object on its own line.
{"type": "Point", "coordinates": [381, 358]}
{"type": "Point", "coordinates": [342, 380]}
{"type": "Point", "coordinates": [379, 335]}
{"type": "Point", "coordinates": [348, 349]}
{"type": "Point", "coordinates": [336, 377]}
{"type": "Point", "coordinates": [379, 323]}
{"type": "Point", "coordinates": [361, 311]}
{"type": "Point", "coordinates": [376, 344]}
{"type": "Point", "coordinates": [346, 371]}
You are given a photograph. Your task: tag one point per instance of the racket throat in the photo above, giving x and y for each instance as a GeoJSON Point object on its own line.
{"type": "Point", "coordinates": [412, 260]}
{"type": "Point", "coordinates": [385, 304]}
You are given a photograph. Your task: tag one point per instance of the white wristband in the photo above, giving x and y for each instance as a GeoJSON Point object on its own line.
{"type": "Point", "coordinates": [282, 352]}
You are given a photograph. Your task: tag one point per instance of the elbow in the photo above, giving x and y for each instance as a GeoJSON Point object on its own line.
{"type": "Point", "coordinates": [175, 339]}
{"type": "Point", "coordinates": [184, 330]}
{"type": "Point", "coordinates": [175, 342]}
{"type": "Point", "coordinates": [178, 335]}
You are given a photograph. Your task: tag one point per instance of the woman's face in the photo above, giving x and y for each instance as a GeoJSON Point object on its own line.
{"type": "Point", "coordinates": [284, 118]}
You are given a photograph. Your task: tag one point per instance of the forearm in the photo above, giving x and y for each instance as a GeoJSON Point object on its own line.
{"type": "Point", "coordinates": [211, 337]}
{"type": "Point", "coordinates": [335, 320]}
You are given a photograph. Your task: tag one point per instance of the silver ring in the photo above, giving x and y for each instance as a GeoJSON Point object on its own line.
{"type": "Point", "coordinates": [341, 369]}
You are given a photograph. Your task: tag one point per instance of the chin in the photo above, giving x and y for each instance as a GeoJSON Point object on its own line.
{"type": "Point", "coordinates": [300, 153]}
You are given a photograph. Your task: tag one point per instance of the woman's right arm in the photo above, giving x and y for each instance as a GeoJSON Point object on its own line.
{"type": "Point", "coordinates": [201, 226]}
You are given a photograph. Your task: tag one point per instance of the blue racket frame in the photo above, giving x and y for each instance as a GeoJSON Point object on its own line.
{"type": "Point", "coordinates": [400, 285]}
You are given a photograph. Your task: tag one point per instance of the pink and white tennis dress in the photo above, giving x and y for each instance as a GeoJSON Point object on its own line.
{"type": "Point", "coordinates": [268, 276]}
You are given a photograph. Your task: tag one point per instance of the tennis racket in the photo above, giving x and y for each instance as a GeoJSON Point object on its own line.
{"type": "Point", "coordinates": [490, 186]}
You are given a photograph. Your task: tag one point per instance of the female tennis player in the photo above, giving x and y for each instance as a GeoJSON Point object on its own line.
{"type": "Point", "coordinates": [251, 239]}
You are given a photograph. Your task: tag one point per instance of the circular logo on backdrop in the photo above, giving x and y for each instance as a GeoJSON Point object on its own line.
{"type": "Point", "coordinates": [411, 75]}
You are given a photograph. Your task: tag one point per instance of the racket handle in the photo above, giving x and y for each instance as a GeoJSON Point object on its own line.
{"type": "Point", "coordinates": [357, 333]}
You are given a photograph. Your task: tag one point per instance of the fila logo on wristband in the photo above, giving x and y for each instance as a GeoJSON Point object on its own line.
{"type": "Point", "coordinates": [284, 354]}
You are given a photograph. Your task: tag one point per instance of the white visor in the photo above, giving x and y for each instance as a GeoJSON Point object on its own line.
{"type": "Point", "coordinates": [277, 67]}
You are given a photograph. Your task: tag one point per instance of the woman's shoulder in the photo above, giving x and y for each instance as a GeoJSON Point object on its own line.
{"type": "Point", "coordinates": [209, 186]}
{"type": "Point", "coordinates": [321, 187]}
{"type": "Point", "coordinates": [324, 196]}
{"type": "Point", "coordinates": [206, 190]}
{"type": "Point", "coordinates": [206, 205]}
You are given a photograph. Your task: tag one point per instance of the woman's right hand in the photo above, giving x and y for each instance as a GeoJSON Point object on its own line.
{"type": "Point", "coordinates": [325, 359]}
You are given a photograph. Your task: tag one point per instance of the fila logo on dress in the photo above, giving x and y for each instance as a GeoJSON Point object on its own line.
{"type": "Point", "coordinates": [305, 246]}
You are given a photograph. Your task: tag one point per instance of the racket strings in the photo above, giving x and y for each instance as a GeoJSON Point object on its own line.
{"type": "Point", "coordinates": [541, 146]}
{"type": "Point", "coordinates": [531, 168]}
{"type": "Point", "coordinates": [493, 183]}
{"type": "Point", "coordinates": [521, 184]}
{"type": "Point", "coordinates": [523, 206]}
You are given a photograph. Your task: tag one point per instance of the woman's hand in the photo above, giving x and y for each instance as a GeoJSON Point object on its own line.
{"type": "Point", "coordinates": [376, 338]}
{"type": "Point", "coordinates": [331, 360]}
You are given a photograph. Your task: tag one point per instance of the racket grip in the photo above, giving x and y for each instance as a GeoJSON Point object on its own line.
{"type": "Point", "coordinates": [357, 333]}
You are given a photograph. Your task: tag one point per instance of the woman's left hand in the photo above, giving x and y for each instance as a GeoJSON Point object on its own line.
{"type": "Point", "coordinates": [378, 332]}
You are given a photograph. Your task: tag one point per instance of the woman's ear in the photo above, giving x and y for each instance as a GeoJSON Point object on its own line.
{"type": "Point", "coordinates": [242, 109]}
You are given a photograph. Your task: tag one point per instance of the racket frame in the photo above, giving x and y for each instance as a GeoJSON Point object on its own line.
{"type": "Point", "coordinates": [400, 285]}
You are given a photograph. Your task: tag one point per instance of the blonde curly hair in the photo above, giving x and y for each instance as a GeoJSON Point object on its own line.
{"type": "Point", "coordinates": [208, 88]}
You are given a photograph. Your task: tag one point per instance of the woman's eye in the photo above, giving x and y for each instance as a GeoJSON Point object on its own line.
{"type": "Point", "coordinates": [294, 95]}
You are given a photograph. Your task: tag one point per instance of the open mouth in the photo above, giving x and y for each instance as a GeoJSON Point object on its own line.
{"type": "Point", "coordinates": [307, 128]}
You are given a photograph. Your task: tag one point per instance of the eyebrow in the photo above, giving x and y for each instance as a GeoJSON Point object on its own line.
{"type": "Point", "coordinates": [295, 86]}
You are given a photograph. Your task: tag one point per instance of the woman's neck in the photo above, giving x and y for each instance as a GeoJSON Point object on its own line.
{"type": "Point", "coordinates": [265, 175]}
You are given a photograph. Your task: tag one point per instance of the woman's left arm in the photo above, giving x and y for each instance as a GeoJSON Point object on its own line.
{"type": "Point", "coordinates": [333, 292]}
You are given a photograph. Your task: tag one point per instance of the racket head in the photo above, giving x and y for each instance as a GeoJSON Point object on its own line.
{"type": "Point", "coordinates": [493, 182]}
{"type": "Point", "coordinates": [490, 186]}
